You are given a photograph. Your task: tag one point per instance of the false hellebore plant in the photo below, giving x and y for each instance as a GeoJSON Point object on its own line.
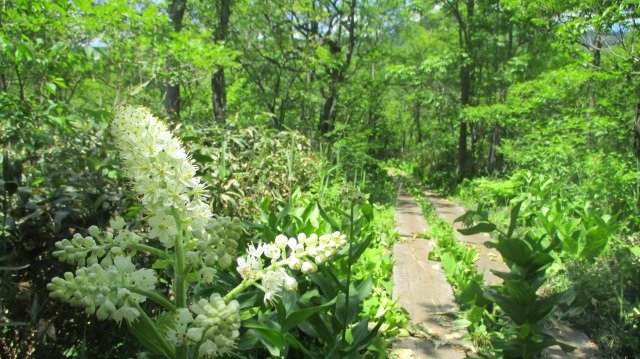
{"type": "Point", "coordinates": [187, 241]}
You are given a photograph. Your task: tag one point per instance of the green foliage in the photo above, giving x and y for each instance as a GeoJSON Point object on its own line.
{"type": "Point", "coordinates": [528, 258]}
{"type": "Point", "coordinates": [606, 305]}
{"type": "Point", "coordinates": [346, 301]}
{"type": "Point", "coordinates": [545, 97]}
{"type": "Point", "coordinates": [56, 180]}
{"type": "Point", "coordinates": [243, 166]}
{"type": "Point", "coordinates": [493, 192]}
{"type": "Point", "coordinates": [582, 229]}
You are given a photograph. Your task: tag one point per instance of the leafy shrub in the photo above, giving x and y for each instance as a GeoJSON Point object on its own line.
{"type": "Point", "coordinates": [493, 192]}
{"type": "Point", "coordinates": [66, 184]}
{"type": "Point", "coordinates": [241, 166]}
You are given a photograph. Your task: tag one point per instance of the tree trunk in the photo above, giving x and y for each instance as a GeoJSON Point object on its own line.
{"type": "Point", "coordinates": [495, 158]}
{"type": "Point", "coordinates": [591, 88]}
{"type": "Point", "coordinates": [337, 75]}
{"type": "Point", "coordinates": [326, 124]}
{"type": "Point", "coordinates": [465, 159]}
{"type": "Point", "coordinates": [219, 95]}
{"type": "Point", "coordinates": [636, 130]}
{"type": "Point", "coordinates": [172, 86]}
{"type": "Point", "coordinates": [218, 81]}
{"type": "Point", "coordinates": [417, 119]}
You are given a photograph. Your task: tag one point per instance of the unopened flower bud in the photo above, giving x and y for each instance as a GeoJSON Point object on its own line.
{"type": "Point", "coordinates": [281, 241]}
{"type": "Point", "coordinates": [290, 284]}
{"type": "Point", "coordinates": [294, 263]}
{"type": "Point", "coordinates": [94, 231]}
{"type": "Point", "coordinates": [308, 267]}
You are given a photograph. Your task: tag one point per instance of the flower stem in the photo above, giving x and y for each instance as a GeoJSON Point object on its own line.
{"type": "Point", "coordinates": [155, 251]}
{"type": "Point", "coordinates": [346, 303]}
{"type": "Point", "coordinates": [235, 291]}
{"type": "Point", "coordinates": [156, 297]}
{"type": "Point", "coordinates": [180, 282]}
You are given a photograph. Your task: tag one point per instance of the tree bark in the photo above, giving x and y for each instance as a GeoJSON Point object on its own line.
{"type": "Point", "coordinates": [218, 81]}
{"type": "Point", "coordinates": [636, 130]}
{"type": "Point", "coordinates": [337, 74]}
{"type": "Point", "coordinates": [326, 116]}
{"type": "Point", "coordinates": [465, 160]}
{"type": "Point", "coordinates": [219, 96]}
{"type": "Point", "coordinates": [416, 118]}
{"type": "Point", "coordinates": [495, 158]}
{"type": "Point", "coordinates": [172, 87]}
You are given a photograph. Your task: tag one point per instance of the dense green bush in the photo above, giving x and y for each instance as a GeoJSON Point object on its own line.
{"type": "Point", "coordinates": [66, 184]}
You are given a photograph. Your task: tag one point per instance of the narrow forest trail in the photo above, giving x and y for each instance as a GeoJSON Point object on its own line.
{"type": "Point", "coordinates": [423, 290]}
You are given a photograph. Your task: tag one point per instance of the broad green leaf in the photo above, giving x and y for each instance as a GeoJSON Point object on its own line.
{"type": "Point", "coordinates": [327, 288]}
{"type": "Point", "coordinates": [50, 87]}
{"type": "Point", "coordinates": [360, 248]}
{"type": "Point", "coordinates": [515, 211]}
{"type": "Point", "coordinates": [515, 311]}
{"type": "Point", "coordinates": [449, 263]}
{"type": "Point", "coordinates": [334, 225]}
{"type": "Point", "coordinates": [483, 227]}
{"type": "Point", "coordinates": [247, 340]}
{"type": "Point", "coordinates": [145, 336]}
{"type": "Point", "coordinates": [520, 291]}
{"type": "Point", "coordinates": [283, 213]}
{"type": "Point", "coordinates": [364, 287]}
{"type": "Point", "coordinates": [596, 240]}
{"type": "Point", "coordinates": [317, 326]}
{"type": "Point", "coordinates": [360, 341]}
{"type": "Point", "coordinates": [515, 250]}
{"type": "Point", "coordinates": [461, 323]}
{"type": "Point", "coordinates": [271, 338]}
{"type": "Point", "coordinates": [295, 343]}
{"type": "Point", "coordinates": [296, 317]}
{"type": "Point", "coordinates": [543, 307]}
{"type": "Point", "coordinates": [201, 158]}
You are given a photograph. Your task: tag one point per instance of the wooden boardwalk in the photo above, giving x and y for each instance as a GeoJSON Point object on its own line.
{"type": "Point", "coordinates": [422, 288]}
{"type": "Point", "coordinates": [425, 293]}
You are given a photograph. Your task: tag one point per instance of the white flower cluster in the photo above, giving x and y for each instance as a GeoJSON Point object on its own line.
{"type": "Point", "coordinates": [162, 172]}
{"type": "Point", "coordinates": [107, 282]}
{"type": "Point", "coordinates": [217, 243]}
{"type": "Point", "coordinates": [215, 327]}
{"type": "Point", "coordinates": [105, 289]}
{"type": "Point", "coordinates": [99, 244]}
{"type": "Point", "coordinates": [303, 253]}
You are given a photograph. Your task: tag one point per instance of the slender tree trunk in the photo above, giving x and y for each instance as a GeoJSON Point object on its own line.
{"type": "Point", "coordinates": [326, 124]}
{"type": "Point", "coordinates": [495, 158]}
{"type": "Point", "coordinates": [172, 86]}
{"type": "Point", "coordinates": [219, 95]}
{"type": "Point", "coordinates": [218, 81]}
{"type": "Point", "coordinates": [417, 119]}
{"type": "Point", "coordinates": [636, 130]}
{"type": "Point", "coordinates": [591, 88]}
{"type": "Point", "coordinates": [337, 75]}
{"type": "Point", "coordinates": [465, 160]}
{"type": "Point", "coordinates": [3, 83]}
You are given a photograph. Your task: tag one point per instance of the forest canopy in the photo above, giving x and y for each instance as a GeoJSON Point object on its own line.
{"type": "Point", "coordinates": [485, 99]}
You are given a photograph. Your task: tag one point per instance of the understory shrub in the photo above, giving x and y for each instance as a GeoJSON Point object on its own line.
{"type": "Point", "coordinates": [188, 284]}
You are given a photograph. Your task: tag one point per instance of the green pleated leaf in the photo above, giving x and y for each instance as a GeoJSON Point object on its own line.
{"type": "Point", "coordinates": [483, 227]}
